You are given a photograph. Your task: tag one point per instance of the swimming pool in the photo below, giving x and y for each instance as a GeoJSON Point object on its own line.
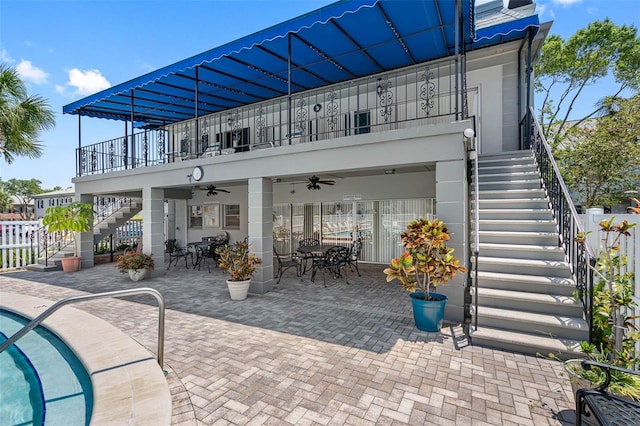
{"type": "Point", "coordinates": [128, 385]}
{"type": "Point", "coordinates": [42, 381]}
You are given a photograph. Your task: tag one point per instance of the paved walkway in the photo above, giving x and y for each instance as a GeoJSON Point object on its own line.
{"type": "Point", "coordinates": [308, 355]}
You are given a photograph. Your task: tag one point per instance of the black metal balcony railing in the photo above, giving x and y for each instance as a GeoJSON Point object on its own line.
{"type": "Point", "coordinates": [580, 255]}
{"type": "Point", "coordinates": [411, 97]}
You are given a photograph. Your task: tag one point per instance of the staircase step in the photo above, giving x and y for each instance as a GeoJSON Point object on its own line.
{"type": "Point", "coordinates": [555, 304]}
{"type": "Point", "coordinates": [524, 266]}
{"type": "Point", "coordinates": [506, 176]}
{"type": "Point", "coordinates": [531, 283]}
{"type": "Point", "coordinates": [514, 195]}
{"type": "Point", "coordinates": [518, 225]}
{"type": "Point", "coordinates": [526, 343]}
{"type": "Point", "coordinates": [508, 169]}
{"type": "Point", "coordinates": [533, 203]}
{"type": "Point", "coordinates": [509, 184]}
{"type": "Point", "coordinates": [559, 326]}
{"type": "Point", "coordinates": [506, 155]}
{"type": "Point", "coordinates": [516, 237]}
{"type": "Point", "coordinates": [523, 251]}
{"type": "Point", "coordinates": [515, 214]}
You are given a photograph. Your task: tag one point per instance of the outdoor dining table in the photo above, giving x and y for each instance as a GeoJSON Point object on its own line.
{"type": "Point", "coordinates": [317, 250]}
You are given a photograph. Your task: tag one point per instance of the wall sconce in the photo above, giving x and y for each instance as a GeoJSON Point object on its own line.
{"type": "Point", "coordinates": [469, 136]}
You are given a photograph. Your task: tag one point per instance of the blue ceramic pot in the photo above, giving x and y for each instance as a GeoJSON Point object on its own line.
{"type": "Point", "coordinates": [428, 314]}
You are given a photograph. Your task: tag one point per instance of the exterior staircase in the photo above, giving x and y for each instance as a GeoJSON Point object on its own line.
{"type": "Point", "coordinates": [525, 285]}
{"type": "Point", "coordinates": [112, 217]}
{"type": "Point", "coordinates": [117, 216]}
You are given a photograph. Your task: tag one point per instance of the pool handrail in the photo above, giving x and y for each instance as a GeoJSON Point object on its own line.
{"type": "Point", "coordinates": [118, 293]}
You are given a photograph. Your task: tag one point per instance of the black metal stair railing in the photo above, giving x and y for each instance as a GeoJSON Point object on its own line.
{"type": "Point", "coordinates": [580, 255]}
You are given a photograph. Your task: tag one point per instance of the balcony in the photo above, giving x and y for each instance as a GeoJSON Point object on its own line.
{"type": "Point", "coordinates": [410, 97]}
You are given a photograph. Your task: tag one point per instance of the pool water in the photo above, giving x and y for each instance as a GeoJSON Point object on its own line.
{"type": "Point", "coordinates": [42, 382]}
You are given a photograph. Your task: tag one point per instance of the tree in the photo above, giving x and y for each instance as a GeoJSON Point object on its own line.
{"type": "Point", "coordinates": [567, 68]}
{"type": "Point", "coordinates": [600, 160]}
{"type": "Point", "coordinates": [22, 117]}
{"type": "Point", "coordinates": [23, 190]}
{"type": "Point", "coordinates": [5, 200]}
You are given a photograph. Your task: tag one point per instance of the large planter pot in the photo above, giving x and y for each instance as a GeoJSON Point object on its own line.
{"type": "Point", "coordinates": [571, 366]}
{"type": "Point", "coordinates": [238, 289]}
{"type": "Point", "coordinates": [71, 264]}
{"type": "Point", "coordinates": [428, 314]}
{"type": "Point", "coordinates": [138, 275]}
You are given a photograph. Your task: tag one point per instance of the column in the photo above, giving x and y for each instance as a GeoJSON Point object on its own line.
{"type": "Point", "coordinates": [85, 239]}
{"type": "Point", "coordinates": [260, 215]}
{"type": "Point", "coordinates": [153, 227]}
{"type": "Point", "coordinates": [452, 209]}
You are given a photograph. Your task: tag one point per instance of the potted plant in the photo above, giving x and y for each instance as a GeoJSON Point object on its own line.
{"type": "Point", "coordinates": [240, 264]}
{"type": "Point", "coordinates": [72, 218]}
{"type": "Point", "coordinates": [426, 262]}
{"type": "Point", "coordinates": [614, 333]}
{"type": "Point", "coordinates": [137, 264]}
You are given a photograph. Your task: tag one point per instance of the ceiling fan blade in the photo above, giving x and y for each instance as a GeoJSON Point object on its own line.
{"type": "Point", "coordinates": [327, 182]}
{"type": "Point", "coordinates": [224, 190]}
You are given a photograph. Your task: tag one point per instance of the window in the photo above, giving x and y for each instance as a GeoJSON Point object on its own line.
{"type": "Point", "coordinates": [362, 122]}
{"type": "Point", "coordinates": [195, 218]}
{"type": "Point", "coordinates": [232, 216]}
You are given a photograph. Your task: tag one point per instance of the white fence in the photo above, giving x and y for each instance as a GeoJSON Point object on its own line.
{"type": "Point", "coordinates": [630, 246]}
{"type": "Point", "coordinates": [17, 250]}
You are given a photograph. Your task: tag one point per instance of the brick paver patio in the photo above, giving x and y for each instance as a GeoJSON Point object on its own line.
{"type": "Point", "coordinates": [308, 355]}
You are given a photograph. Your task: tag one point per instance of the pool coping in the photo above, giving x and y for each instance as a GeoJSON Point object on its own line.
{"type": "Point", "coordinates": [129, 387]}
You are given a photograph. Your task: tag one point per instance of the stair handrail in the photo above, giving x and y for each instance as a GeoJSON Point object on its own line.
{"type": "Point", "coordinates": [472, 153]}
{"type": "Point", "coordinates": [580, 255]}
{"type": "Point", "coordinates": [117, 293]}
{"type": "Point", "coordinates": [104, 211]}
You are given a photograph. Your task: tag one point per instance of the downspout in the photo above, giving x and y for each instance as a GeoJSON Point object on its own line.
{"type": "Point", "coordinates": [520, 125]}
{"type": "Point", "coordinates": [457, 56]}
{"type": "Point", "coordinates": [528, 119]}
{"type": "Point", "coordinates": [289, 129]}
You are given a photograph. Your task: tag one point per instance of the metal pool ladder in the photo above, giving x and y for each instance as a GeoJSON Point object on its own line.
{"type": "Point", "coordinates": [119, 293]}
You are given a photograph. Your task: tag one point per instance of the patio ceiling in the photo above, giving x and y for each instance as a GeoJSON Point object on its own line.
{"type": "Point", "coordinates": [336, 43]}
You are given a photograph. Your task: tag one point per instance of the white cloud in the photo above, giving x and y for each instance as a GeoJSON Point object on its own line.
{"type": "Point", "coordinates": [567, 3]}
{"type": "Point", "coordinates": [4, 57]}
{"type": "Point", "coordinates": [87, 82]}
{"type": "Point", "coordinates": [31, 73]}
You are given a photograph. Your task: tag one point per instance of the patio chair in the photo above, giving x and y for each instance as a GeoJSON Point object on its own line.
{"type": "Point", "coordinates": [354, 253]}
{"type": "Point", "coordinates": [334, 259]}
{"type": "Point", "coordinates": [284, 262]}
{"type": "Point", "coordinates": [176, 252]}
{"type": "Point", "coordinates": [306, 257]}
{"type": "Point", "coordinates": [208, 254]}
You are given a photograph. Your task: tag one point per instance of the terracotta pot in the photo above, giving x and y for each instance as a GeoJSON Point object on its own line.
{"type": "Point", "coordinates": [238, 289]}
{"type": "Point", "coordinates": [71, 264]}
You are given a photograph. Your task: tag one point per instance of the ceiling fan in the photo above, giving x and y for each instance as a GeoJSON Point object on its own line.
{"type": "Point", "coordinates": [315, 182]}
{"type": "Point", "coordinates": [212, 190]}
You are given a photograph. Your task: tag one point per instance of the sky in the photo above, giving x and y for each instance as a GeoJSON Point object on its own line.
{"type": "Point", "coordinates": [66, 50]}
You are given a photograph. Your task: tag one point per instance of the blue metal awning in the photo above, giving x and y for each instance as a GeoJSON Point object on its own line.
{"type": "Point", "coordinates": [339, 42]}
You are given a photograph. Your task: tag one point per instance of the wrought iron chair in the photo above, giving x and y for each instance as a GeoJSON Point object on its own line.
{"type": "Point", "coordinates": [208, 254]}
{"type": "Point", "coordinates": [354, 254]}
{"type": "Point", "coordinates": [176, 252]}
{"type": "Point", "coordinates": [284, 262]}
{"type": "Point", "coordinates": [608, 409]}
{"type": "Point", "coordinates": [333, 260]}
{"type": "Point", "coordinates": [306, 257]}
